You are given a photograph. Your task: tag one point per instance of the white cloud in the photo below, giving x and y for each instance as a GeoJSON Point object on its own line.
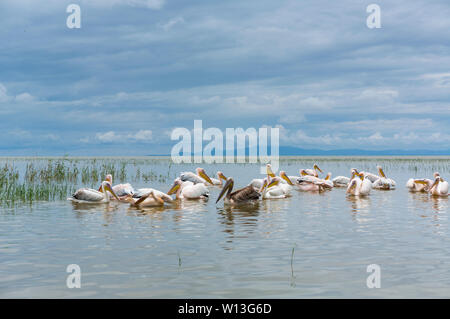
{"type": "Point", "coordinates": [142, 135]}
{"type": "Point", "coordinates": [167, 26]}
{"type": "Point", "coordinates": [111, 136]}
{"type": "Point", "coordinates": [3, 93]}
{"type": "Point", "coordinates": [24, 97]}
{"type": "Point", "coordinates": [107, 137]}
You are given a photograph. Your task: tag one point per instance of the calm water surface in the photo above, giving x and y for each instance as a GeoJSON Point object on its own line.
{"type": "Point", "coordinates": [310, 245]}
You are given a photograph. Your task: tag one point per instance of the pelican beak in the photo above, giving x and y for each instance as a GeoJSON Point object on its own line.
{"type": "Point", "coordinates": [328, 176]}
{"type": "Point", "coordinates": [228, 184]}
{"type": "Point", "coordinates": [361, 176]}
{"type": "Point", "coordinates": [263, 186]}
{"type": "Point", "coordinates": [419, 181]}
{"type": "Point", "coordinates": [174, 189]}
{"type": "Point", "coordinates": [302, 172]}
{"type": "Point", "coordinates": [269, 171]}
{"type": "Point", "coordinates": [380, 171]}
{"type": "Point", "coordinates": [100, 189]}
{"type": "Point", "coordinates": [273, 183]}
{"type": "Point", "coordinates": [109, 189]}
{"type": "Point", "coordinates": [352, 186]}
{"type": "Point", "coordinates": [436, 181]}
{"type": "Point", "coordinates": [203, 175]}
{"type": "Point", "coordinates": [284, 176]}
{"type": "Point", "coordinates": [317, 168]}
{"type": "Point", "coordinates": [222, 176]}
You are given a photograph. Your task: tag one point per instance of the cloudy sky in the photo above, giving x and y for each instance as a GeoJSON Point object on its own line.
{"type": "Point", "coordinates": [137, 69]}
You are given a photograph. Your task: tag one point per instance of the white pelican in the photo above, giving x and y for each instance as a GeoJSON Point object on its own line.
{"type": "Point", "coordinates": [311, 172]}
{"type": "Point", "coordinates": [189, 190]}
{"type": "Point", "coordinates": [243, 195]}
{"type": "Point", "coordinates": [147, 200]}
{"type": "Point", "coordinates": [273, 189]}
{"type": "Point", "coordinates": [420, 185]}
{"type": "Point", "coordinates": [121, 190]}
{"type": "Point", "coordinates": [383, 182]}
{"type": "Point", "coordinates": [291, 180]}
{"type": "Point", "coordinates": [311, 183]}
{"type": "Point", "coordinates": [360, 186]}
{"type": "Point", "coordinates": [199, 177]}
{"type": "Point", "coordinates": [219, 180]}
{"type": "Point", "coordinates": [144, 191]}
{"type": "Point", "coordinates": [88, 195]}
{"type": "Point", "coordinates": [327, 180]}
{"type": "Point", "coordinates": [439, 187]}
{"type": "Point", "coordinates": [342, 181]}
{"type": "Point", "coordinates": [257, 183]}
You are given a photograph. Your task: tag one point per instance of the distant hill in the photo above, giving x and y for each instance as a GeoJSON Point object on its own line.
{"type": "Point", "coordinates": [294, 151]}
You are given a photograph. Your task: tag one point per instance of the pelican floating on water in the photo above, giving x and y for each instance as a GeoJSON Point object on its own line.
{"type": "Point", "coordinates": [144, 191]}
{"type": "Point", "coordinates": [290, 180]}
{"type": "Point", "coordinates": [420, 185]}
{"type": "Point", "coordinates": [342, 181]}
{"type": "Point", "coordinates": [311, 172]}
{"type": "Point", "coordinates": [439, 187]}
{"type": "Point", "coordinates": [274, 189]}
{"type": "Point", "coordinates": [121, 190]}
{"type": "Point", "coordinates": [311, 183]}
{"type": "Point", "coordinates": [243, 195]}
{"type": "Point", "coordinates": [147, 200]}
{"type": "Point", "coordinates": [189, 190]}
{"type": "Point", "coordinates": [219, 180]}
{"type": "Point", "coordinates": [89, 195]}
{"type": "Point", "coordinates": [257, 183]}
{"type": "Point", "coordinates": [199, 176]}
{"type": "Point", "coordinates": [359, 186]}
{"type": "Point", "coordinates": [383, 182]}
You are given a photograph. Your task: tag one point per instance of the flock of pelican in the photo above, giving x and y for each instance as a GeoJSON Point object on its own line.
{"type": "Point", "coordinates": [195, 186]}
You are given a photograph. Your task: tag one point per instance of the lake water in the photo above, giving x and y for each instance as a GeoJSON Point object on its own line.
{"type": "Point", "coordinates": [311, 245]}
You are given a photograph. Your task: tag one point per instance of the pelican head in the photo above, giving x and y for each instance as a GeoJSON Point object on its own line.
{"type": "Point", "coordinates": [269, 170]}
{"type": "Point", "coordinates": [317, 168]}
{"type": "Point", "coordinates": [327, 177]}
{"type": "Point", "coordinates": [176, 185]}
{"type": "Point", "coordinates": [226, 189]}
{"type": "Point", "coordinates": [109, 178]}
{"type": "Point", "coordinates": [303, 172]}
{"type": "Point", "coordinates": [354, 172]}
{"type": "Point", "coordinates": [201, 172]}
{"type": "Point", "coordinates": [221, 176]}
{"type": "Point", "coordinates": [436, 174]}
{"type": "Point", "coordinates": [285, 177]}
{"type": "Point", "coordinates": [436, 181]}
{"type": "Point", "coordinates": [106, 186]}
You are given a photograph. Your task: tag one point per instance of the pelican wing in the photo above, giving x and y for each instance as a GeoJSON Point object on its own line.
{"type": "Point", "coordinates": [341, 181]}
{"type": "Point", "coordinates": [88, 194]}
{"type": "Point", "coordinates": [145, 191]}
{"type": "Point", "coordinates": [245, 194]}
{"type": "Point", "coordinates": [191, 177]}
{"type": "Point", "coordinates": [123, 189]}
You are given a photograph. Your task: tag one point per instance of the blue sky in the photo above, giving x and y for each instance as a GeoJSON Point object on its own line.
{"type": "Point", "coordinates": [139, 68]}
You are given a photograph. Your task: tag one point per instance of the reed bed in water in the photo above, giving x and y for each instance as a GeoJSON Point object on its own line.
{"type": "Point", "coordinates": [37, 179]}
